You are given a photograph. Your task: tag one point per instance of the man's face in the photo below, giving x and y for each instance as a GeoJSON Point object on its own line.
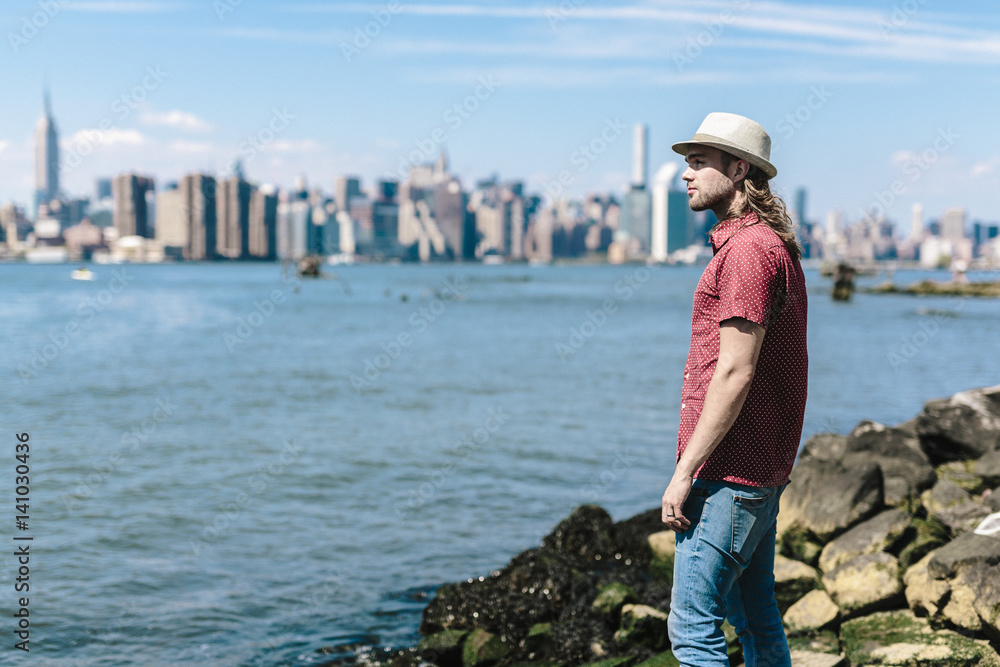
{"type": "Point", "coordinates": [709, 183]}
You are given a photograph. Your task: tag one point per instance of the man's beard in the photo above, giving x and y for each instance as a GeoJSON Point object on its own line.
{"type": "Point", "coordinates": [705, 199]}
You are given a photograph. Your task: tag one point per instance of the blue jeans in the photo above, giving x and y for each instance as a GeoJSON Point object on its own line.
{"type": "Point", "coordinates": [724, 568]}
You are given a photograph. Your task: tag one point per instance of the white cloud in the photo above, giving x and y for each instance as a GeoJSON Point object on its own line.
{"type": "Point", "coordinates": [986, 167]}
{"type": "Point", "coordinates": [4, 145]}
{"type": "Point", "coordinates": [175, 118]}
{"type": "Point", "coordinates": [110, 137]}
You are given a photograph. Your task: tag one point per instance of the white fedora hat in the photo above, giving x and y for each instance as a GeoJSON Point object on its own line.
{"type": "Point", "coordinates": [736, 135]}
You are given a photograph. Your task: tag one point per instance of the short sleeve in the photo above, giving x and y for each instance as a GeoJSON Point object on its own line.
{"type": "Point", "coordinates": [750, 283]}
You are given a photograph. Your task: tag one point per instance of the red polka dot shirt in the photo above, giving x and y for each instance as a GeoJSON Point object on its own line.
{"type": "Point", "coordinates": [751, 276]}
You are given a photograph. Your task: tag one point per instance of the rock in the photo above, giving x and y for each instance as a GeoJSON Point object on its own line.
{"type": "Point", "coordinates": [792, 580]}
{"type": "Point", "coordinates": [960, 609]}
{"type": "Point", "coordinates": [612, 598]}
{"type": "Point", "coordinates": [584, 537]}
{"type": "Point", "coordinates": [823, 499]}
{"type": "Point", "coordinates": [824, 447]}
{"type": "Point", "coordinates": [900, 638]}
{"type": "Point", "coordinates": [810, 659]}
{"type": "Point", "coordinates": [988, 467]}
{"type": "Point", "coordinates": [443, 648]}
{"type": "Point", "coordinates": [620, 661]}
{"type": "Point", "coordinates": [632, 537]}
{"type": "Point", "coordinates": [960, 472]}
{"type": "Point", "coordinates": [925, 595]}
{"type": "Point", "coordinates": [814, 611]}
{"type": "Point", "coordinates": [942, 495]}
{"type": "Point", "coordinates": [819, 641]}
{"type": "Point", "coordinates": [880, 533]}
{"type": "Point", "coordinates": [964, 550]}
{"type": "Point", "coordinates": [796, 545]}
{"type": "Point", "coordinates": [925, 536]}
{"type": "Point", "coordinates": [665, 659]}
{"type": "Point", "coordinates": [538, 643]}
{"type": "Point", "coordinates": [643, 626]}
{"type": "Point", "coordinates": [865, 584]}
{"type": "Point", "coordinates": [533, 588]}
{"type": "Point", "coordinates": [662, 545]}
{"type": "Point", "coordinates": [905, 467]}
{"type": "Point", "coordinates": [965, 426]}
{"type": "Point", "coordinates": [482, 649]}
{"type": "Point", "coordinates": [579, 639]}
{"type": "Point", "coordinates": [962, 518]}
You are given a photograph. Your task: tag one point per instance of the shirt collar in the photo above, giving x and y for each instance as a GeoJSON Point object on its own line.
{"type": "Point", "coordinates": [725, 230]}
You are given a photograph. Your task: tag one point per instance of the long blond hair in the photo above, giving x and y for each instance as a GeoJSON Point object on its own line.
{"type": "Point", "coordinates": [769, 207]}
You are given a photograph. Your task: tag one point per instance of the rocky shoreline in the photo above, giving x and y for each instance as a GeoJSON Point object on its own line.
{"type": "Point", "coordinates": [879, 564]}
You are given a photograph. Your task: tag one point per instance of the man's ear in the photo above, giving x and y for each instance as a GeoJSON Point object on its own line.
{"type": "Point", "coordinates": [742, 169]}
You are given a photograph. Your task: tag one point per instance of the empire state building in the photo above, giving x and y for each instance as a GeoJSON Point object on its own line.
{"type": "Point", "coordinates": [46, 157]}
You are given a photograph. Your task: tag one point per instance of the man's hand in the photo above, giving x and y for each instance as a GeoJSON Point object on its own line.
{"type": "Point", "coordinates": [673, 501]}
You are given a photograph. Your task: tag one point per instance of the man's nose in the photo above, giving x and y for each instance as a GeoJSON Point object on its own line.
{"type": "Point", "coordinates": [688, 174]}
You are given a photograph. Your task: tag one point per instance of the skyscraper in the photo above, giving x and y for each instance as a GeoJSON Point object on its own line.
{"type": "Point", "coordinates": [263, 236]}
{"type": "Point", "coordinates": [197, 195]}
{"type": "Point", "coordinates": [46, 156]}
{"type": "Point", "coordinates": [671, 225]}
{"type": "Point", "coordinates": [640, 141]}
{"type": "Point", "coordinates": [131, 215]}
{"type": "Point", "coordinates": [232, 198]}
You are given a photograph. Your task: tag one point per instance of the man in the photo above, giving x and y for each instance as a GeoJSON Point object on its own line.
{"type": "Point", "coordinates": [742, 402]}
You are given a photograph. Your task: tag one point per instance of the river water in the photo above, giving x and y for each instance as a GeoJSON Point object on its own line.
{"type": "Point", "coordinates": [232, 468]}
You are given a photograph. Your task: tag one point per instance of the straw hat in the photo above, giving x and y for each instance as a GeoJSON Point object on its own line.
{"type": "Point", "coordinates": [735, 135]}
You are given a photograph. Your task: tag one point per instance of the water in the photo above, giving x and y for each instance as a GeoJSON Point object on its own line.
{"type": "Point", "coordinates": [211, 492]}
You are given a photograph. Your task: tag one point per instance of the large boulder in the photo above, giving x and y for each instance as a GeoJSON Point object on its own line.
{"type": "Point", "coordinates": [583, 538]}
{"type": "Point", "coordinates": [942, 495]}
{"type": "Point", "coordinates": [643, 626]}
{"type": "Point", "coordinates": [612, 597]}
{"type": "Point", "coordinates": [792, 580]}
{"type": "Point", "coordinates": [823, 499]}
{"type": "Point", "coordinates": [905, 467]}
{"type": "Point", "coordinates": [824, 447]}
{"type": "Point", "coordinates": [811, 659]}
{"type": "Point", "coordinates": [988, 468]}
{"type": "Point", "coordinates": [962, 518]}
{"type": "Point", "coordinates": [925, 595]}
{"type": "Point", "coordinates": [880, 533]}
{"type": "Point", "coordinates": [900, 638]}
{"type": "Point", "coordinates": [483, 649]}
{"type": "Point", "coordinates": [965, 426]}
{"type": "Point", "coordinates": [534, 587]}
{"type": "Point", "coordinates": [864, 584]}
{"type": "Point", "coordinates": [925, 536]}
{"type": "Point", "coordinates": [970, 567]}
{"type": "Point", "coordinates": [960, 472]}
{"type": "Point", "coordinates": [816, 610]}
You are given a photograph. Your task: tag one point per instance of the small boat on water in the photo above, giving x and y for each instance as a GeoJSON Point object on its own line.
{"type": "Point", "coordinates": [82, 273]}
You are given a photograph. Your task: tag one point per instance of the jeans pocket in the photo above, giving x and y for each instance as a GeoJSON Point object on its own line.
{"type": "Point", "coordinates": [752, 517]}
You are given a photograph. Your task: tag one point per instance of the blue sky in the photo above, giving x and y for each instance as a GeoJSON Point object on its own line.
{"type": "Point", "coordinates": [860, 98]}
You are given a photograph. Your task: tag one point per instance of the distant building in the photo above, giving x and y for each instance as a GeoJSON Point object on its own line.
{"type": "Point", "coordinates": [198, 210]}
{"type": "Point", "coordinates": [346, 188]}
{"type": "Point", "coordinates": [172, 227]}
{"type": "Point", "coordinates": [672, 227]}
{"type": "Point", "coordinates": [232, 197]}
{"type": "Point", "coordinates": [102, 189]}
{"type": "Point", "coordinates": [953, 224]}
{"type": "Point", "coordinates": [46, 156]}
{"type": "Point", "coordinates": [131, 213]}
{"type": "Point", "coordinates": [636, 217]}
{"type": "Point", "coordinates": [263, 224]}
{"type": "Point", "coordinates": [640, 143]}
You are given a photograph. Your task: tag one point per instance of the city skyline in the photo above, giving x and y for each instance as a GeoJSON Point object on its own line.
{"type": "Point", "coordinates": [906, 120]}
